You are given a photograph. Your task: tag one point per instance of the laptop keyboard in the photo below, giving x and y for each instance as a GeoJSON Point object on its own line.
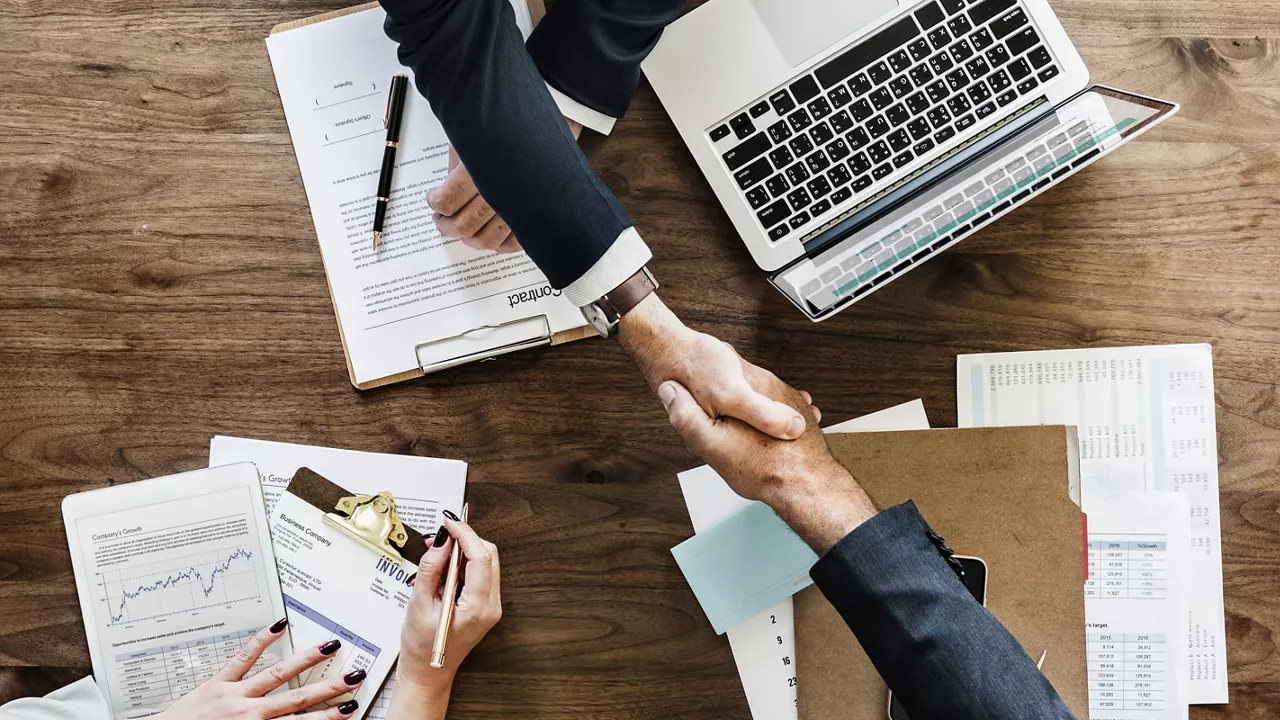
{"type": "Point", "coordinates": [940, 223]}
{"type": "Point", "coordinates": [910, 91]}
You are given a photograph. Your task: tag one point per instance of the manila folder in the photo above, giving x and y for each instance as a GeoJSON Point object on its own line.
{"type": "Point", "coordinates": [1000, 494]}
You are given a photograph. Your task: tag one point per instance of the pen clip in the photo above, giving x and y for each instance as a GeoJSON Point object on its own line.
{"type": "Point", "coordinates": [391, 92]}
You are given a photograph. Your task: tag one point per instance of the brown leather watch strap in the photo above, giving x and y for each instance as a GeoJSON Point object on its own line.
{"type": "Point", "coordinates": [629, 294]}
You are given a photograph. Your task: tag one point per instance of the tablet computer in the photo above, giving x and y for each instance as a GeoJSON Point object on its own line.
{"type": "Point", "coordinates": [174, 576]}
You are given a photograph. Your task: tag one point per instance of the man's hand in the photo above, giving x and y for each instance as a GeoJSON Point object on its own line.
{"type": "Point", "coordinates": [723, 384]}
{"type": "Point", "coordinates": [461, 212]}
{"type": "Point", "coordinates": [799, 479]}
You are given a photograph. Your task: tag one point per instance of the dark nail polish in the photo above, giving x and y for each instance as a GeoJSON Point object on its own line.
{"type": "Point", "coordinates": [449, 514]}
{"type": "Point", "coordinates": [279, 626]}
{"type": "Point", "coordinates": [442, 536]}
{"type": "Point", "coordinates": [348, 707]}
{"type": "Point", "coordinates": [355, 677]}
{"type": "Point", "coordinates": [330, 647]}
{"type": "Point", "coordinates": [412, 577]}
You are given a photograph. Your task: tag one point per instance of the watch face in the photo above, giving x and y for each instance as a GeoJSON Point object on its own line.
{"type": "Point", "coordinates": [596, 317]}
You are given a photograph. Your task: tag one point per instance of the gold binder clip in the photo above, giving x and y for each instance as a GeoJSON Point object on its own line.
{"type": "Point", "coordinates": [371, 520]}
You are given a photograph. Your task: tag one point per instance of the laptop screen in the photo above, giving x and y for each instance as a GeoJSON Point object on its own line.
{"type": "Point", "coordinates": [1024, 164]}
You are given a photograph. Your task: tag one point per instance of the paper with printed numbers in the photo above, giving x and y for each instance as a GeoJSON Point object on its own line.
{"type": "Point", "coordinates": [1134, 605]}
{"type": "Point", "coordinates": [1147, 424]}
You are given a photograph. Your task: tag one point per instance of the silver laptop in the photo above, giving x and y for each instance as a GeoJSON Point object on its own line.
{"type": "Point", "coordinates": [851, 141]}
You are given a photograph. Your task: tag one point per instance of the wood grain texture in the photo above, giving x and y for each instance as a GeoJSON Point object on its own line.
{"type": "Point", "coordinates": [160, 283]}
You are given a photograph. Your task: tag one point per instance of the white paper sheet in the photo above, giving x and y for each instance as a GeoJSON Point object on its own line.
{"type": "Point", "coordinates": [1146, 420]}
{"type": "Point", "coordinates": [336, 589]}
{"type": "Point", "coordinates": [764, 646]}
{"type": "Point", "coordinates": [421, 486]}
{"type": "Point", "coordinates": [417, 287]}
{"type": "Point", "coordinates": [1139, 545]}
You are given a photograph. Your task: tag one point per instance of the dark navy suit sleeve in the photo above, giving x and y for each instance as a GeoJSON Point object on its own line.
{"type": "Point", "coordinates": [942, 653]}
{"type": "Point", "coordinates": [591, 50]}
{"type": "Point", "coordinates": [469, 61]}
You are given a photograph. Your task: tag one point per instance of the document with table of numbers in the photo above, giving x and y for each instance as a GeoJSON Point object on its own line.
{"type": "Point", "coordinates": [1147, 424]}
{"type": "Point", "coordinates": [1134, 604]}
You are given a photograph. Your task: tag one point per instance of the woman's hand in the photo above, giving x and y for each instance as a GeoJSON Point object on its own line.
{"type": "Point", "coordinates": [232, 696]}
{"type": "Point", "coordinates": [421, 690]}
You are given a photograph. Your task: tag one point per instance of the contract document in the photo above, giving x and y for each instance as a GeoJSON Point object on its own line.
{"type": "Point", "coordinates": [419, 300]}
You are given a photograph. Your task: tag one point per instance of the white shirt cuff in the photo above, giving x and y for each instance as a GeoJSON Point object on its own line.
{"type": "Point", "coordinates": [583, 115]}
{"type": "Point", "coordinates": [622, 260]}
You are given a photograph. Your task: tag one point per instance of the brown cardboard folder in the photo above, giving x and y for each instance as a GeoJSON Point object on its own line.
{"type": "Point", "coordinates": [998, 493]}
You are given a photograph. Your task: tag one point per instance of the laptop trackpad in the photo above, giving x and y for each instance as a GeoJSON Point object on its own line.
{"type": "Point", "coordinates": [804, 28]}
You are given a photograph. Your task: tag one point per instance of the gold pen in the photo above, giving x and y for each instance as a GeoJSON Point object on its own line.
{"type": "Point", "coordinates": [449, 600]}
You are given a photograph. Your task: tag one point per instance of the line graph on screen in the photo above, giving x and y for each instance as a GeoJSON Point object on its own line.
{"type": "Point", "coordinates": [218, 578]}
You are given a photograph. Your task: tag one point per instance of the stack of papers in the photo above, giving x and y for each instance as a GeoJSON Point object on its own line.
{"type": "Point", "coordinates": [1147, 424]}
{"type": "Point", "coordinates": [422, 488]}
{"type": "Point", "coordinates": [764, 645]}
{"type": "Point", "coordinates": [1155, 635]}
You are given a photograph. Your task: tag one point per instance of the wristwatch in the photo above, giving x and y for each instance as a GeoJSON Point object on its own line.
{"type": "Point", "coordinates": [604, 314]}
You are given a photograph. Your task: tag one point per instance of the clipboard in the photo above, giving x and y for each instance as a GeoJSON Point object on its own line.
{"type": "Point", "coordinates": [345, 564]}
{"type": "Point", "coordinates": [370, 520]}
{"type": "Point", "coordinates": [478, 344]}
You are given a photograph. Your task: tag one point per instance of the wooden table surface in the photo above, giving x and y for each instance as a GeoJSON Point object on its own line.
{"type": "Point", "coordinates": [160, 283]}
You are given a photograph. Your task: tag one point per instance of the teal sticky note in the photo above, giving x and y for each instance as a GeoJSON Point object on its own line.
{"type": "Point", "coordinates": [744, 565]}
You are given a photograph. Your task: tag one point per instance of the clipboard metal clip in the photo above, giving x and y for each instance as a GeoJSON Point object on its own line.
{"type": "Point", "coordinates": [372, 521]}
{"type": "Point", "coordinates": [478, 343]}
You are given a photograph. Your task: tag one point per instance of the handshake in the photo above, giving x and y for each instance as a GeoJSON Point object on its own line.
{"type": "Point", "coordinates": [760, 434]}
